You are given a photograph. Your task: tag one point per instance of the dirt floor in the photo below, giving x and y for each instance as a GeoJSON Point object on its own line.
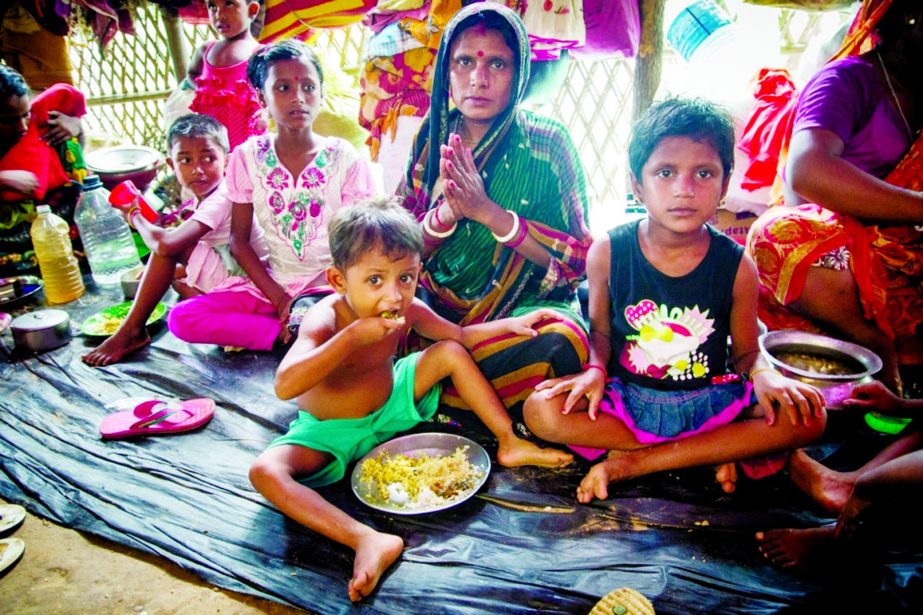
{"type": "Point", "coordinates": [63, 571]}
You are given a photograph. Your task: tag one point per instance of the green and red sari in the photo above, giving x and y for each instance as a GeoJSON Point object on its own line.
{"type": "Point", "coordinates": [529, 166]}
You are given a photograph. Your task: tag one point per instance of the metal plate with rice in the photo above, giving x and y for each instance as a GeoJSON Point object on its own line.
{"type": "Point", "coordinates": [414, 445]}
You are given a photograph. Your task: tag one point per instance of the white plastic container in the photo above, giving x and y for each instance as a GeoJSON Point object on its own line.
{"type": "Point", "coordinates": [106, 236]}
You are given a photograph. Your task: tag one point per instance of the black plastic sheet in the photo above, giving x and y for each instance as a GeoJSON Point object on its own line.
{"type": "Point", "coordinates": [675, 537]}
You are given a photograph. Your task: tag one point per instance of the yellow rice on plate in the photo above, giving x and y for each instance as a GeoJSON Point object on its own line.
{"type": "Point", "coordinates": [420, 480]}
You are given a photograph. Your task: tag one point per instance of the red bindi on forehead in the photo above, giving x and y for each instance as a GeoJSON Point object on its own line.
{"type": "Point", "coordinates": [480, 53]}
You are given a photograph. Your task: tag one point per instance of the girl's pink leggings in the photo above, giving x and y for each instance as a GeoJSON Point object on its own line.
{"type": "Point", "coordinates": [227, 318]}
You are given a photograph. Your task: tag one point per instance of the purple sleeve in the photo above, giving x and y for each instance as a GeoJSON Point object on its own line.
{"type": "Point", "coordinates": [838, 98]}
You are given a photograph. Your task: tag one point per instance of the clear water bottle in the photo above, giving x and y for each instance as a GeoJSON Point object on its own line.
{"type": "Point", "coordinates": [59, 267]}
{"type": "Point", "coordinates": [106, 236]}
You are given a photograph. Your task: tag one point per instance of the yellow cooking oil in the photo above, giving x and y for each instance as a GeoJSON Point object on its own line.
{"type": "Point", "coordinates": [56, 260]}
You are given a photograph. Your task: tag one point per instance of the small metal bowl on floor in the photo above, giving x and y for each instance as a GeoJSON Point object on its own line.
{"type": "Point", "coordinates": [130, 281]}
{"type": "Point", "coordinates": [833, 366]}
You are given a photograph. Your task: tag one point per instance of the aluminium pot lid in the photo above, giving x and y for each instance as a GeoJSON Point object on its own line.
{"type": "Point", "coordinates": [39, 320]}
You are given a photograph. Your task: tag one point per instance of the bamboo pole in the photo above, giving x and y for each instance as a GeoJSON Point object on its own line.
{"type": "Point", "coordinates": [179, 52]}
{"type": "Point", "coordinates": [649, 64]}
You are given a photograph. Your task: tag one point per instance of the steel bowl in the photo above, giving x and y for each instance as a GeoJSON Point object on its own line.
{"type": "Point", "coordinates": [130, 281]}
{"type": "Point", "coordinates": [116, 164]}
{"type": "Point", "coordinates": [835, 387]}
{"type": "Point", "coordinates": [41, 330]}
{"type": "Point", "coordinates": [16, 291]}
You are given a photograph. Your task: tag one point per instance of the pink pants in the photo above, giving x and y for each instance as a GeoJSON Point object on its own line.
{"type": "Point", "coordinates": [233, 317]}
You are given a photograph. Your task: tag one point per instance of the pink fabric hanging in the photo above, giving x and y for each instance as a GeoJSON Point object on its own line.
{"type": "Point", "coordinates": [613, 29]}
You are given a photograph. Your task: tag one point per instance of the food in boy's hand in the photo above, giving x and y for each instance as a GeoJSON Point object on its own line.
{"type": "Point", "coordinates": [421, 480]}
{"type": "Point", "coordinates": [391, 315]}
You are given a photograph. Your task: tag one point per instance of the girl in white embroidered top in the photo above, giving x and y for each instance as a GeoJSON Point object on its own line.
{"type": "Point", "coordinates": [290, 183]}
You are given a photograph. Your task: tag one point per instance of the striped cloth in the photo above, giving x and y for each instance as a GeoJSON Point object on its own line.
{"type": "Point", "coordinates": [294, 18]}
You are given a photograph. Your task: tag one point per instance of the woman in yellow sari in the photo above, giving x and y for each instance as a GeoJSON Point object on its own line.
{"type": "Point", "coordinates": [844, 255]}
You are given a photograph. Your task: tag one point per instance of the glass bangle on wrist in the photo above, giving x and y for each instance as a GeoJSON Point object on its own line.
{"type": "Point", "coordinates": [442, 226]}
{"type": "Point", "coordinates": [513, 231]}
{"type": "Point", "coordinates": [433, 232]}
{"type": "Point", "coordinates": [517, 241]}
{"type": "Point", "coordinates": [589, 366]}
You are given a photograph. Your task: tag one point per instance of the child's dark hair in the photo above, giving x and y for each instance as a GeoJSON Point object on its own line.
{"type": "Point", "coordinates": [290, 49]}
{"type": "Point", "coordinates": [198, 125]}
{"type": "Point", "coordinates": [696, 119]}
{"type": "Point", "coordinates": [383, 223]}
{"type": "Point", "coordinates": [12, 83]}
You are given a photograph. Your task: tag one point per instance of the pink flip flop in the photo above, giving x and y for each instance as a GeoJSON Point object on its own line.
{"type": "Point", "coordinates": [155, 417]}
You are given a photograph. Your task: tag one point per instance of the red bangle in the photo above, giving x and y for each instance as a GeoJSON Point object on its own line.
{"type": "Point", "coordinates": [596, 366]}
{"type": "Point", "coordinates": [443, 225]}
{"type": "Point", "coordinates": [520, 236]}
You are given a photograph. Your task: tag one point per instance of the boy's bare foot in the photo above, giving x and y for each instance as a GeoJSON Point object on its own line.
{"type": "Point", "coordinates": [726, 475]}
{"type": "Point", "coordinates": [596, 482]}
{"type": "Point", "coordinates": [516, 452]}
{"type": "Point", "coordinates": [374, 554]}
{"type": "Point", "coordinates": [830, 489]}
{"type": "Point", "coordinates": [121, 343]}
{"type": "Point", "coordinates": [795, 548]}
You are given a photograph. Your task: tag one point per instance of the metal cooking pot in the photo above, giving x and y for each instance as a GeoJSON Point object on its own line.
{"type": "Point", "coordinates": [835, 387]}
{"type": "Point", "coordinates": [866, 362]}
{"type": "Point", "coordinates": [41, 330]}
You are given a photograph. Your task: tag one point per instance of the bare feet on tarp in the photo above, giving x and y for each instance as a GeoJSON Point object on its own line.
{"type": "Point", "coordinates": [801, 549]}
{"type": "Point", "coordinates": [515, 452]}
{"type": "Point", "coordinates": [374, 555]}
{"type": "Point", "coordinates": [120, 344]}
{"type": "Point", "coordinates": [830, 489]}
{"type": "Point", "coordinates": [616, 467]}
{"type": "Point", "coordinates": [726, 476]}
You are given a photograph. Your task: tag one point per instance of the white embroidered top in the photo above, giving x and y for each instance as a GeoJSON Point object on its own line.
{"type": "Point", "coordinates": [294, 212]}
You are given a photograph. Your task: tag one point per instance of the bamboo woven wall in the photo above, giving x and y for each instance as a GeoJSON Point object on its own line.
{"type": "Point", "coordinates": [126, 89]}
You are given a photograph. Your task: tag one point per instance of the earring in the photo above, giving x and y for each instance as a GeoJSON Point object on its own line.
{"type": "Point", "coordinates": [722, 202]}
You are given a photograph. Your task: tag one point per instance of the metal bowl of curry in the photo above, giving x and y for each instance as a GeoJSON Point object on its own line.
{"type": "Point", "coordinates": [825, 362]}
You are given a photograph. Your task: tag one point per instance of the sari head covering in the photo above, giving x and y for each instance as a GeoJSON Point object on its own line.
{"type": "Point", "coordinates": [530, 167]}
{"type": "Point", "coordinates": [437, 125]}
{"type": "Point", "coordinates": [861, 35]}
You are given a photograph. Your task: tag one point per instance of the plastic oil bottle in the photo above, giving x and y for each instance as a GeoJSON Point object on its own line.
{"type": "Point", "coordinates": [60, 271]}
{"type": "Point", "coordinates": [106, 237]}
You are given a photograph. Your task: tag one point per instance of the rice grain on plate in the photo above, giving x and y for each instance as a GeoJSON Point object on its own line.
{"type": "Point", "coordinates": [420, 480]}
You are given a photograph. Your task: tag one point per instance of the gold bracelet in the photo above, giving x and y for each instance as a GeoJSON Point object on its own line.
{"type": "Point", "coordinates": [759, 370]}
{"type": "Point", "coordinates": [131, 215]}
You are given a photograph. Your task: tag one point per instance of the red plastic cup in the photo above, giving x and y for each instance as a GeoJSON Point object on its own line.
{"type": "Point", "coordinates": [127, 193]}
